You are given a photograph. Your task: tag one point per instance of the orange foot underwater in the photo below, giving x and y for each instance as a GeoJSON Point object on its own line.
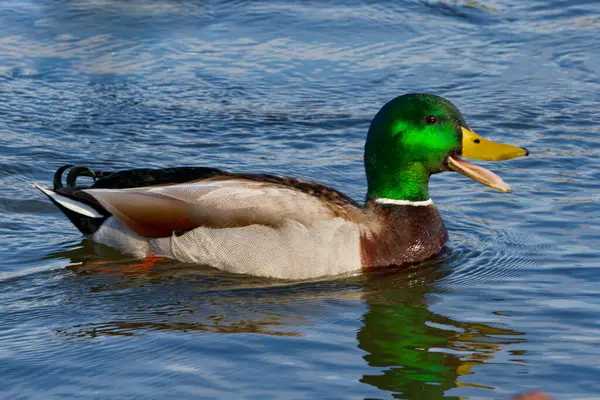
{"type": "Point", "coordinates": [143, 266]}
{"type": "Point", "coordinates": [147, 263]}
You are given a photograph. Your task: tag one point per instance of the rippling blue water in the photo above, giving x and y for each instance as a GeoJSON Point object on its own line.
{"type": "Point", "coordinates": [510, 306]}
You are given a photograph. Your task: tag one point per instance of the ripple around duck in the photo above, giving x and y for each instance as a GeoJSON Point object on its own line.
{"type": "Point", "coordinates": [481, 253]}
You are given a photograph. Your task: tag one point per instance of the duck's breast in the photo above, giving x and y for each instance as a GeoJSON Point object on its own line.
{"type": "Point", "coordinates": [401, 234]}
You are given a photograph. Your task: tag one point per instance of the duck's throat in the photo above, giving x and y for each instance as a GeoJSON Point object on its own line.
{"type": "Point", "coordinates": [410, 184]}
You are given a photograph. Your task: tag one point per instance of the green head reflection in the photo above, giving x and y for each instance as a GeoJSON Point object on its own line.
{"type": "Point", "coordinates": [415, 353]}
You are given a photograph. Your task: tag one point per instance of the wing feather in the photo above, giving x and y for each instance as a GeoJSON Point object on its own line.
{"type": "Point", "coordinates": [158, 211]}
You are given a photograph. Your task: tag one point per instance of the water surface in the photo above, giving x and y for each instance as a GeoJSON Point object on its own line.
{"type": "Point", "coordinates": [279, 87]}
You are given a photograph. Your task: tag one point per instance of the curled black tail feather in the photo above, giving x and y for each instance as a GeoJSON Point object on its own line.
{"type": "Point", "coordinates": [75, 172]}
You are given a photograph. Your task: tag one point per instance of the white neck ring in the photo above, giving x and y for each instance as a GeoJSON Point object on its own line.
{"type": "Point", "coordinates": [423, 203]}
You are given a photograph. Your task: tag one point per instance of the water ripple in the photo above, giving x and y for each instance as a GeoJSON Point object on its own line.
{"type": "Point", "coordinates": [290, 88]}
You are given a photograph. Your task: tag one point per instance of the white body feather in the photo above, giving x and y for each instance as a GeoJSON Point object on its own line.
{"type": "Point", "coordinates": [290, 251]}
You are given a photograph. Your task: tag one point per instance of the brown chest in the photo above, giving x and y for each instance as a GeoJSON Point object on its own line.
{"type": "Point", "coordinates": [401, 234]}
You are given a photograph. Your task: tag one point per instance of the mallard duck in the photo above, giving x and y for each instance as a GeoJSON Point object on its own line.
{"type": "Point", "coordinates": [289, 228]}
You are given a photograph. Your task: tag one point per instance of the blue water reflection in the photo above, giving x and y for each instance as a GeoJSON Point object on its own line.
{"type": "Point", "coordinates": [290, 88]}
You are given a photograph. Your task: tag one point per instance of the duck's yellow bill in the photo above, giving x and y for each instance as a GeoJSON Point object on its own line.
{"type": "Point", "coordinates": [474, 146]}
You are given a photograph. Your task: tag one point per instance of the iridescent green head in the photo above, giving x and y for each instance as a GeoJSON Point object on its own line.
{"type": "Point", "coordinates": [416, 135]}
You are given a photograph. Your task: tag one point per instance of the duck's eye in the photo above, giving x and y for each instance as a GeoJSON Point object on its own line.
{"type": "Point", "coordinates": [431, 119]}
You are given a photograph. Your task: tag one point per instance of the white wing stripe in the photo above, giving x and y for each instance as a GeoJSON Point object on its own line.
{"type": "Point", "coordinates": [73, 205]}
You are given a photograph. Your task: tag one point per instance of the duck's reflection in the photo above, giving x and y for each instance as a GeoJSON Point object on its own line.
{"type": "Point", "coordinates": [412, 351]}
{"type": "Point", "coordinates": [415, 352]}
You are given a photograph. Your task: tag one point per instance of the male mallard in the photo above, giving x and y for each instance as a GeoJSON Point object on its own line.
{"type": "Point", "coordinates": [285, 227]}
